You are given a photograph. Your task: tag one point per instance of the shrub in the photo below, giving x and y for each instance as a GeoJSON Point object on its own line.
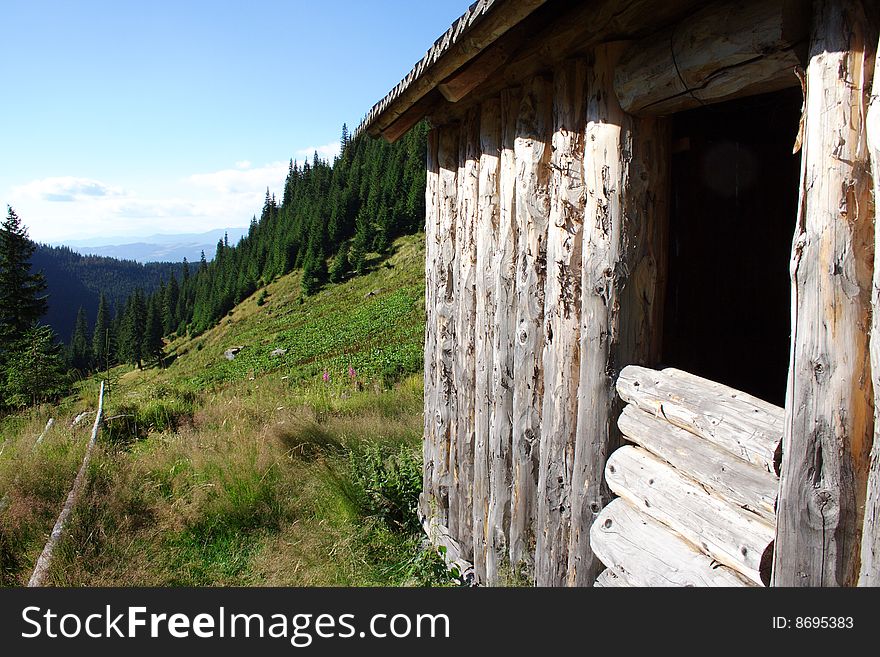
{"type": "Point", "coordinates": [389, 480]}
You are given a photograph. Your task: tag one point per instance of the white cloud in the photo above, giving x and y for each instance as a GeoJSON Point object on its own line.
{"type": "Point", "coordinates": [325, 152]}
{"type": "Point", "coordinates": [66, 189]}
{"type": "Point", "coordinates": [243, 181]}
{"type": "Point", "coordinates": [195, 203]}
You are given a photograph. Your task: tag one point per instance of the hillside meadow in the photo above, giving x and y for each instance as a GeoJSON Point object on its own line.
{"type": "Point", "coordinates": [298, 468]}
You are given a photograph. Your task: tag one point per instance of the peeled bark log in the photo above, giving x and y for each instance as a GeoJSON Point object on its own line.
{"type": "Point", "coordinates": [829, 404]}
{"type": "Point", "coordinates": [623, 218]}
{"type": "Point", "coordinates": [444, 406]}
{"type": "Point", "coordinates": [531, 209]}
{"type": "Point", "coordinates": [870, 567]}
{"type": "Point", "coordinates": [742, 424]}
{"type": "Point", "coordinates": [501, 391]}
{"type": "Point", "coordinates": [432, 248]}
{"type": "Point", "coordinates": [485, 232]}
{"type": "Point", "coordinates": [609, 579]}
{"type": "Point", "coordinates": [561, 325]}
{"type": "Point", "coordinates": [742, 484]}
{"type": "Point", "coordinates": [647, 553]}
{"type": "Point", "coordinates": [724, 51]}
{"type": "Point", "coordinates": [465, 325]}
{"type": "Point", "coordinates": [726, 533]}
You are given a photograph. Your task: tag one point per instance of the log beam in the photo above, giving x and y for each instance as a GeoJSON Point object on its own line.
{"type": "Point", "coordinates": [724, 51]}
{"type": "Point", "coordinates": [742, 484]}
{"type": "Point", "coordinates": [829, 403]}
{"type": "Point", "coordinates": [647, 553]}
{"type": "Point", "coordinates": [745, 426]}
{"type": "Point", "coordinates": [728, 534]}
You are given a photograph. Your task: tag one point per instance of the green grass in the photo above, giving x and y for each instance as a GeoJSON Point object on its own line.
{"type": "Point", "coordinates": [254, 471]}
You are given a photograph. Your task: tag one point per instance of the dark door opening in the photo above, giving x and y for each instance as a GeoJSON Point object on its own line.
{"type": "Point", "coordinates": [732, 217]}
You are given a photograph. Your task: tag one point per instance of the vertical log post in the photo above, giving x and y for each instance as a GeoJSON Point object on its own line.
{"type": "Point", "coordinates": [465, 326]}
{"type": "Point", "coordinates": [561, 359]}
{"type": "Point", "coordinates": [829, 415]}
{"type": "Point", "coordinates": [625, 172]}
{"type": "Point", "coordinates": [607, 157]}
{"type": "Point", "coordinates": [485, 232]}
{"type": "Point", "coordinates": [531, 210]}
{"type": "Point", "coordinates": [870, 567]}
{"type": "Point", "coordinates": [430, 494]}
{"type": "Point", "coordinates": [444, 405]}
{"type": "Point", "coordinates": [501, 391]}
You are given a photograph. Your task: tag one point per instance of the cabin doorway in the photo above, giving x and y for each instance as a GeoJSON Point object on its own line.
{"type": "Point", "coordinates": [732, 216]}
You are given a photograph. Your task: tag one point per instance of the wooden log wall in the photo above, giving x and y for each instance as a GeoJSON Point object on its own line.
{"type": "Point", "coordinates": [546, 208]}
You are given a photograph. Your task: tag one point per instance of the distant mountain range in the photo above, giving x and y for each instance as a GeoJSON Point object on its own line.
{"type": "Point", "coordinates": [157, 248]}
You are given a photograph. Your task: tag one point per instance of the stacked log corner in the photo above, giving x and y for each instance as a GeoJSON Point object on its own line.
{"type": "Point", "coordinates": [696, 487]}
{"type": "Point", "coordinates": [829, 424]}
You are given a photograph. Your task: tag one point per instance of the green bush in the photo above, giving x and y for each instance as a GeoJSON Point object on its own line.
{"type": "Point", "coordinates": [389, 480]}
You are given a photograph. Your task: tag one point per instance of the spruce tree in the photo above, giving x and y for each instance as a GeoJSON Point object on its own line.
{"type": "Point", "coordinates": [34, 371]}
{"type": "Point", "coordinates": [169, 307]}
{"type": "Point", "coordinates": [21, 300]}
{"type": "Point", "coordinates": [101, 338]}
{"type": "Point", "coordinates": [80, 349]}
{"type": "Point", "coordinates": [152, 338]}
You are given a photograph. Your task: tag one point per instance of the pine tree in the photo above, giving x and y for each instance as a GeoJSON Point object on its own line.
{"type": "Point", "coordinates": [340, 265]}
{"type": "Point", "coordinates": [21, 302]}
{"type": "Point", "coordinates": [170, 299]}
{"type": "Point", "coordinates": [131, 330]}
{"type": "Point", "coordinates": [101, 338]}
{"type": "Point", "coordinates": [34, 371]}
{"type": "Point", "coordinates": [80, 348]}
{"type": "Point", "coordinates": [152, 338]}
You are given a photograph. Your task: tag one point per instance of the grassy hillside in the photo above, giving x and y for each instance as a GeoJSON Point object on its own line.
{"type": "Point", "coordinates": [294, 469]}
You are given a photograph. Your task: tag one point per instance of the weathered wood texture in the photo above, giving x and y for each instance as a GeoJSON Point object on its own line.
{"type": "Point", "coordinates": [622, 163]}
{"type": "Point", "coordinates": [444, 405]}
{"type": "Point", "coordinates": [41, 568]}
{"type": "Point", "coordinates": [511, 460]}
{"type": "Point", "coordinates": [485, 233]}
{"type": "Point", "coordinates": [479, 26]}
{"type": "Point", "coordinates": [742, 484]}
{"type": "Point", "coordinates": [561, 359]}
{"type": "Point", "coordinates": [829, 406]}
{"type": "Point", "coordinates": [430, 448]}
{"type": "Point", "coordinates": [610, 579]}
{"type": "Point", "coordinates": [500, 400]}
{"type": "Point", "coordinates": [870, 557]}
{"type": "Point", "coordinates": [646, 553]}
{"type": "Point", "coordinates": [531, 210]}
{"type": "Point", "coordinates": [733, 420]}
{"type": "Point", "coordinates": [725, 50]}
{"type": "Point", "coordinates": [726, 533]}
{"type": "Point", "coordinates": [465, 326]}
{"type": "Point", "coordinates": [44, 431]}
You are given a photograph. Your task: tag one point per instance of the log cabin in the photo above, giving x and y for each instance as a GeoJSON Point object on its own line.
{"type": "Point", "coordinates": [652, 352]}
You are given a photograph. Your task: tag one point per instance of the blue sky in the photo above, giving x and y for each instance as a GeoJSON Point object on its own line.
{"type": "Point", "coordinates": [132, 118]}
